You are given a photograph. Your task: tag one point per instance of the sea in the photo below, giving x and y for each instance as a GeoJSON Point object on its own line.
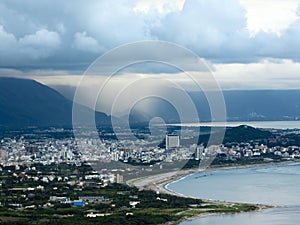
{"type": "Point", "coordinates": [257, 124]}
{"type": "Point", "coordinates": [277, 185]}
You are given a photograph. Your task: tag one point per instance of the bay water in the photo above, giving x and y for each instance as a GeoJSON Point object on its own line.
{"type": "Point", "coordinates": [277, 185]}
{"type": "Point", "coordinates": [291, 124]}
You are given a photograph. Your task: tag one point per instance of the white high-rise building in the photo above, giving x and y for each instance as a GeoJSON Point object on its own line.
{"type": "Point", "coordinates": [172, 141]}
{"type": "Point", "coordinates": [199, 152]}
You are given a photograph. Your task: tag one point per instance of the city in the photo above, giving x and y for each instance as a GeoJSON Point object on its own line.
{"type": "Point", "coordinates": [19, 151]}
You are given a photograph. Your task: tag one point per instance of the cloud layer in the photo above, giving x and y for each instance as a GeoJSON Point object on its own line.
{"type": "Point", "coordinates": [65, 34]}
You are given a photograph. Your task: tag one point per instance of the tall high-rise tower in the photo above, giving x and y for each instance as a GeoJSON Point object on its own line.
{"type": "Point", "coordinates": [172, 141]}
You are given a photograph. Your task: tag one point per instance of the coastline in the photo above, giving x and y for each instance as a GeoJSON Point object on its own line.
{"type": "Point", "coordinates": [159, 183]}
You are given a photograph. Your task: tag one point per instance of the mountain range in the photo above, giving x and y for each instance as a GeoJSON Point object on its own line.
{"type": "Point", "coordinates": [25, 102]}
{"type": "Point", "coordinates": [241, 105]}
{"type": "Point", "coordinates": [255, 105]}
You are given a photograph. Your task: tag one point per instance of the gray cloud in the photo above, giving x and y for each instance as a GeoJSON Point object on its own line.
{"type": "Point", "coordinates": [84, 43]}
{"type": "Point", "coordinates": [218, 31]}
{"type": "Point", "coordinates": [71, 34]}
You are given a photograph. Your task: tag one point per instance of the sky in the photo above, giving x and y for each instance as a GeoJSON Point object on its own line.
{"type": "Point", "coordinates": [249, 44]}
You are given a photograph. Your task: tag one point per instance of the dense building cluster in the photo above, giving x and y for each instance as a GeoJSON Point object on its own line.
{"type": "Point", "coordinates": [19, 151]}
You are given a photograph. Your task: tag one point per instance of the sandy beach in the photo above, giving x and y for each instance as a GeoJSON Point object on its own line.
{"type": "Point", "coordinates": [157, 182]}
